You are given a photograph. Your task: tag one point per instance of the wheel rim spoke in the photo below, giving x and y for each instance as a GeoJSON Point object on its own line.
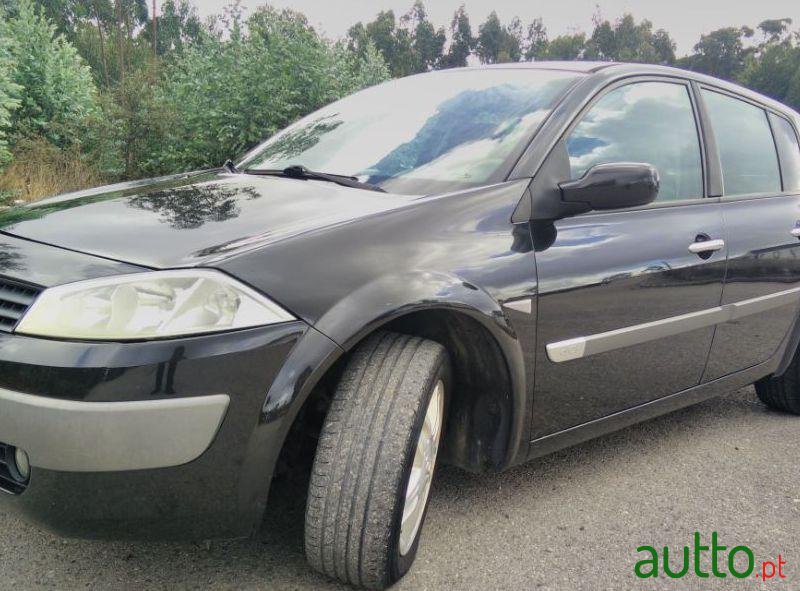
{"type": "Point", "coordinates": [419, 481]}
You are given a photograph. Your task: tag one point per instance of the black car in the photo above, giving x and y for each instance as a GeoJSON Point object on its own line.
{"type": "Point", "coordinates": [475, 266]}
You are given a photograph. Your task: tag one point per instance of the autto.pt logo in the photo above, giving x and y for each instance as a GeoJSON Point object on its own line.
{"type": "Point", "coordinates": [704, 560]}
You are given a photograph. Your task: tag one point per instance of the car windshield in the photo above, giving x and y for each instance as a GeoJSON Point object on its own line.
{"type": "Point", "coordinates": [422, 134]}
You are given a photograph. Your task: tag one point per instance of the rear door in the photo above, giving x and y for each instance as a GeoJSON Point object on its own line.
{"type": "Point", "coordinates": [630, 287]}
{"type": "Point", "coordinates": [759, 159]}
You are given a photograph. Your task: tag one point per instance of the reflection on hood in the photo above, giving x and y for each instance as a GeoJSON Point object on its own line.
{"type": "Point", "coordinates": [191, 207]}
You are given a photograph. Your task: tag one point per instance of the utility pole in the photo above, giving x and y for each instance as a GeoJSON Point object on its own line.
{"type": "Point", "coordinates": [120, 42]}
{"type": "Point", "coordinates": [155, 32]}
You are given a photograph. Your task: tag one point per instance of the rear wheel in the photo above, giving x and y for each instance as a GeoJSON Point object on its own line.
{"type": "Point", "coordinates": [375, 461]}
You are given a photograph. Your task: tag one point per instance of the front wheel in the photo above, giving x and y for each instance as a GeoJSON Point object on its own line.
{"type": "Point", "coordinates": [782, 392]}
{"type": "Point", "coordinates": [375, 461]}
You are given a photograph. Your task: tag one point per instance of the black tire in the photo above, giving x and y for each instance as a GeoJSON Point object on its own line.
{"type": "Point", "coordinates": [782, 392]}
{"type": "Point", "coordinates": [364, 458]}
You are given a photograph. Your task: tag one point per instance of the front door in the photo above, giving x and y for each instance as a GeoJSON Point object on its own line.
{"type": "Point", "coordinates": [624, 296]}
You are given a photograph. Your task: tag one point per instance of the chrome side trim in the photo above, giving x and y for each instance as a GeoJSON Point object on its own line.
{"type": "Point", "coordinates": [80, 436]}
{"type": "Point", "coordinates": [579, 347]}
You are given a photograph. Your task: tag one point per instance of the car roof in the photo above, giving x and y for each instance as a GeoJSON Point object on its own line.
{"type": "Point", "coordinates": [618, 69]}
{"type": "Point", "coordinates": [622, 69]}
{"type": "Point", "coordinates": [569, 66]}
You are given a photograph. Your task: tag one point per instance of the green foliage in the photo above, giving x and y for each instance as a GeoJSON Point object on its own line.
{"type": "Point", "coordinates": [413, 45]}
{"type": "Point", "coordinates": [393, 42]}
{"type": "Point", "coordinates": [9, 99]}
{"type": "Point", "coordinates": [63, 14]}
{"type": "Point", "coordinates": [57, 93]}
{"type": "Point", "coordinates": [536, 41]}
{"type": "Point", "coordinates": [132, 134]}
{"type": "Point", "coordinates": [775, 30]}
{"type": "Point", "coordinates": [624, 40]}
{"type": "Point", "coordinates": [427, 42]}
{"type": "Point", "coordinates": [629, 41]}
{"type": "Point", "coordinates": [721, 53]}
{"type": "Point", "coordinates": [773, 67]}
{"type": "Point", "coordinates": [232, 90]}
{"type": "Point", "coordinates": [462, 42]}
{"type": "Point", "coordinates": [196, 94]}
{"type": "Point", "coordinates": [497, 43]}
{"type": "Point", "coordinates": [566, 47]}
{"type": "Point", "coordinates": [178, 26]}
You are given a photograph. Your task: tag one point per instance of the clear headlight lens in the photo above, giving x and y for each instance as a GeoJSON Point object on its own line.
{"type": "Point", "coordinates": [159, 304]}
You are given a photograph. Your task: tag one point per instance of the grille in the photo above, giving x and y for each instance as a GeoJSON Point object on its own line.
{"type": "Point", "coordinates": [8, 482]}
{"type": "Point", "coordinates": [15, 299]}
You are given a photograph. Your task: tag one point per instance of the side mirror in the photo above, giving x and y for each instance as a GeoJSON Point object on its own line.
{"type": "Point", "coordinates": [613, 186]}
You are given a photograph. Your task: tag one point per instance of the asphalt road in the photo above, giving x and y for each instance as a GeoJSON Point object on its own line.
{"type": "Point", "coordinates": [571, 520]}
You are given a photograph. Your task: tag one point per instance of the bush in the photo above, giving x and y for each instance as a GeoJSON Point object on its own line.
{"type": "Point", "coordinates": [41, 169]}
{"type": "Point", "coordinates": [135, 130]}
{"type": "Point", "coordinates": [9, 99]}
{"type": "Point", "coordinates": [232, 90]}
{"type": "Point", "coordinates": [56, 90]}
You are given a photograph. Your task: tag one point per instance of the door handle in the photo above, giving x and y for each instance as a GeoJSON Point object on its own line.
{"type": "Point", "coordinates": [704, 246]}
{"type": "Point", "coordinates": [795, 232]}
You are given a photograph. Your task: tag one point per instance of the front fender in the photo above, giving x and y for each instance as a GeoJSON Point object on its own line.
{"type": "Point", "coordinates": [392, 296]}
{"type": "Point", "coordinates": [380, 302]}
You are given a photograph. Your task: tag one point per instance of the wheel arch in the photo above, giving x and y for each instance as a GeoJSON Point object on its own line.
{"type": "Point", "coordinates": [487, 406]}
{"type": "Point", "coordinates": [488, 415]}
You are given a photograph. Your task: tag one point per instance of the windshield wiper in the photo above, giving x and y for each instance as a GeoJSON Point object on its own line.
{"type": "Point", "coordinates": [302, 173]}
{"type": "Point", "coordinates": [230, 166]}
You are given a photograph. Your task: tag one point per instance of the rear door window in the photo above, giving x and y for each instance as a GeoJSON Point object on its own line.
{"type": "Point", "coordinates": [746, 148]}
{"type": "Point", "coordinates": [788, 150]}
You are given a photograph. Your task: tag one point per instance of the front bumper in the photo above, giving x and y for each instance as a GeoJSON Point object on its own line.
{"type": "Point", "coordinates": [156, 440]}
{"type": "Point", "coordinates": [102, 436]}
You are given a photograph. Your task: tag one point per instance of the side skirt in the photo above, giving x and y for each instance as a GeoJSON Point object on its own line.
{"type": "Point", "coordinates": [620, 420]}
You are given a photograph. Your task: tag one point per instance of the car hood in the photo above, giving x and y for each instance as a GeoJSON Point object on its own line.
{"type": "Point", "coordinates": [190, 220]}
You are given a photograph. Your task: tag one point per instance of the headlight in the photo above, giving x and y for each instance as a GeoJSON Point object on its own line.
{"type": "Point", "coordinates": [159, 304]}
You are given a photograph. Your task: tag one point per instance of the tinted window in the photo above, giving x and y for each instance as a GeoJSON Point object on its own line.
{"type": "Point", "coordinates": [789, 150]}
{"type": "Point", "coordinates": [746, 148]}
{"type": "Point", "coordinates": [650, 122]}
{"type": "Point", "coordinates": [421, 134]}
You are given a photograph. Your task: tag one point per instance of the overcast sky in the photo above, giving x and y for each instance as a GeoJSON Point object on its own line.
{"type": "Point", "coordinates": [684, 19]}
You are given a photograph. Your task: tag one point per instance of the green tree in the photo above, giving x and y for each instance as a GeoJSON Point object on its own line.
{"type": "Point", "coordinates": [248, 80]}
{"type": "Point", "coordinates": [132, 138]}
{"type": "Point", "coordinates": [773, 68]}
{"type": "Point", "coordinates": [427, 42]}
{"type": "Point", "coordinates": [90, 37]}
{"type": "Point", "coordinates": [536, 41]}
{"type": "Point", "coordinates": [721, 53]}
{"type": "Point", "coordinates": [9, 99]}
{"type": "Point", "coordinates": [628, 41]}
{"type": "Point", "coordinates": [411, 45]}
{"type": "Point", "coordinates": [664, 46]}
{"type": "Point", "coordinates": [129, 17]}
{"type": "Point", "coordinates": [462, 43]}
{"type": "Point", "coordinates": [497, 43]}
{"type": "Point", "coordinates": [393, 42]}
{"type": "Point", "coordinates": [110, 35]}
{"type": "Point", "coordinates": [178, 25]}
{"type": "Point", "coordinates": [57, 92]}
{"type": "Point", "coordinates": [63, 14]}
{"type": "Point", "coordinates": [775, 30]}
{"type": "Point", "coordinates": [571, 46]}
